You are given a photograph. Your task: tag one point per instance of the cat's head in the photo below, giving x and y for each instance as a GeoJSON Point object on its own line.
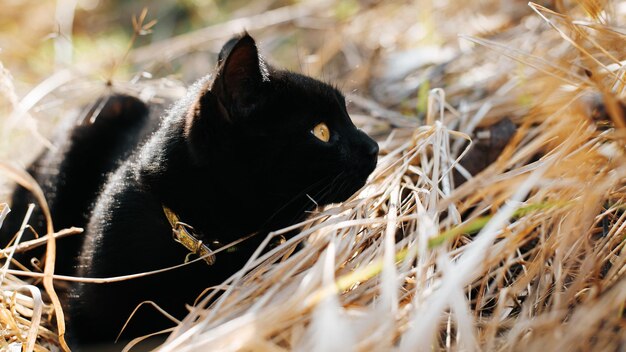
{"type": "Point", "coordinates": [284, 134]}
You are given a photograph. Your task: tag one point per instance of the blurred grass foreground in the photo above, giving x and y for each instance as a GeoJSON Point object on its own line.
{"type": "Point", "coordinates": [495, 219]}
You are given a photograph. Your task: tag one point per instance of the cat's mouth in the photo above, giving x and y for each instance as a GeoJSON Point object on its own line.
{"type": "Point", "coordinates": [350, 182]}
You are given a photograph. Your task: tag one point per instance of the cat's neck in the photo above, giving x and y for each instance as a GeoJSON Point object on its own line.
{"type": "Point", "coordinates": [228, 213]}
{"type": "Point", "coordinates": [217, 202]}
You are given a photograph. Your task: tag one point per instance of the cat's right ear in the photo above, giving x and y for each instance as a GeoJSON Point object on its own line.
{"type": "Point", "coordinates": [239, 77]}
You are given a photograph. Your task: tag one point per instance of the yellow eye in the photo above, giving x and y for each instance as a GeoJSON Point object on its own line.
{"type": "Point", "coordinates": [322, 132]}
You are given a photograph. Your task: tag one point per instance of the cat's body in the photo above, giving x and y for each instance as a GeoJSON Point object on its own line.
{"type": "Point", "coordinates": [249, 151]}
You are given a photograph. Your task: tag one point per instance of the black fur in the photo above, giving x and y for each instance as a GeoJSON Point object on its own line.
{"type": "Point", "coordinates": [88, 149]}
{"type": "Point", "coordinates": [235, 156]}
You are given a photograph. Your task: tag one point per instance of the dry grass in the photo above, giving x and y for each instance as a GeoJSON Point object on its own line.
{"type": "Point", "coordinates": [527, 255]}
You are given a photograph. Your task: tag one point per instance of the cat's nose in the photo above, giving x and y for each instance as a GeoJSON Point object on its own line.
{"type": "Point", "coordinates": [368, 146]}
{"type": "Point", "coordinates": [371, 148]}
{"type": "Point", "coordinates": [368, 149]}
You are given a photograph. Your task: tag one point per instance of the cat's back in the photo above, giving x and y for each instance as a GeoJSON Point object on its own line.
{"type": "Point", "coordinates": [89, 147]}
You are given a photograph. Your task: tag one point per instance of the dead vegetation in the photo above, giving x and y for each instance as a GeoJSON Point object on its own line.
{"type": "Point", "coordinates": [527, 254]}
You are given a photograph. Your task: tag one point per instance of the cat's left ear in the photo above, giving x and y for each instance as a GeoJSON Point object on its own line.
{"type": "Point", "coordinates": [205, 119]}
{"type": "Point", "coordinates": [240, 75]}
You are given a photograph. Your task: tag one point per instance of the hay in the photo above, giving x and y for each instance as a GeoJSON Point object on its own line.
{"type": "Point", "coordinates": [528, 254]}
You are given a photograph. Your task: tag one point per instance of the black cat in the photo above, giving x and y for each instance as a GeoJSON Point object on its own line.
{"type": "Point", "coordinates": [249, 151]}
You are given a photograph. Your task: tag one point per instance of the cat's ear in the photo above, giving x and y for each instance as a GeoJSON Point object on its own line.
{"type": "Point", "coordinates": [240, 75]}
{"type": "Point", "coordinates": [206, 117]}
{"type": "Point", "coordinates": [228, 46]}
